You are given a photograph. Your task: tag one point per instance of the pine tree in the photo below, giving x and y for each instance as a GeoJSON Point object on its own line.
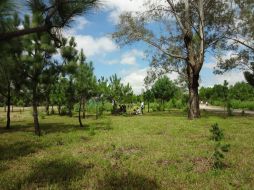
{"type": "Point", "coordinates": [85, 82]}
{"type": "Point", "coordinates": [37, 59]}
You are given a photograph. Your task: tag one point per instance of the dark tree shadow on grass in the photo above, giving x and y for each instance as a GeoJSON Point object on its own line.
{"type": "Point", "coordinates": [57, 127]}
{"type": "Point", "coordinates": [169, 113]}
{"type": "Point", "coordinates": [219, 114]}
{"type": "Point", "coordinates": [127, 181]}
{"type": "Point", "coordinates": [59, 172]}
{"type": "Point", "coordinates": [66, 128]}
{"type": "Point", "coordinates": [18, 126]}
{"type": "Point", "coordinates": [19, 149]}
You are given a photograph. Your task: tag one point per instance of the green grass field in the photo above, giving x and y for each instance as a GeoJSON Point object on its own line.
{"type": "Point", "coordinates": [153, 151]}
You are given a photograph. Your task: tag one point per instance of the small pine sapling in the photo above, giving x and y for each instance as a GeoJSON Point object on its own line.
{"type": "Point", "coordinates": [219, 148]}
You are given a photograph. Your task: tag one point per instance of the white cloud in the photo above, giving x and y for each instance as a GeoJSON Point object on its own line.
{"type": "Point", "coordinates": [173, 76]}
{"type": "Point", "coordinates": [112, 62]}
{"type": "Point", "coordinates": [209, 65]}
{"type": "Point", "coordinates": [117, 7]}
{"type": "Point", "coordinates": [136, 79]}
{"type": "Point", "coordinates": [95, 46]}
{"type": "Point", "coordinates": [130, 58]}
{"type": "Point", "coordinates": [81, 22]}
{"type": "Point", "coordinates": [232, 78]}
{"type": "Point", "coordinates": [212, 79]}
{"type": "Point", "coordinates": [78, 24]}
{"type": "Point", "coordinates": [91, 45]}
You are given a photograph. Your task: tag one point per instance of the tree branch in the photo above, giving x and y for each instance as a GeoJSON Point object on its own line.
{"type": "Point", "coordinates": [162, 50]}
{"type": "Point", "coordinates": [18, 33]}
{"type": "Point", "coordinates": [176, 16]}
{"type": "Point", "coordinates": [241, 42]}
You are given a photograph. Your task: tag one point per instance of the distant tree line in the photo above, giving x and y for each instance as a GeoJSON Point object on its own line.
{"type": "Point", "coordinates": [239, 95]}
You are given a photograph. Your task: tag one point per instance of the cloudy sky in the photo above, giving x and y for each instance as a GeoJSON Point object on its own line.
{"type": "Point", "coordinates": [92, 33]}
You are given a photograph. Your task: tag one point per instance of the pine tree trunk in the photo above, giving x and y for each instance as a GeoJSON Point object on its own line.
{"type": "Point", "coordinates": [79, 113]}
{"type": "Point", "coordinates": [52, 109]}
{"type": "Point", "coordinates": [97, 114]}
{"type": "Point", "coordinates": [8, 108]}
{"type": "Point", "coordinates": [59, 109]}
{"type": "Point", "coordinates": [70, 113]}
{"type": "Point", "coordinates": [35, 112]}
{"type": "Point", "coordinates": [69, 107]}
{"type": "Point", "coordinates": [47, 106]}
{"type": "Point", "coordinates": [193, 77]}
{"type": "Point", "coordinates": [84, 108]}
{"type": "Point", "coordinates": [103, 104]}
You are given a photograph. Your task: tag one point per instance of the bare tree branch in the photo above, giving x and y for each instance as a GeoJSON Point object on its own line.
{"type": "Point", "coordinates": [176, 16]}
{"type": "Point", "coordinates": [241, 42]}
{"type": "Point", "coordinates": [162, 50]}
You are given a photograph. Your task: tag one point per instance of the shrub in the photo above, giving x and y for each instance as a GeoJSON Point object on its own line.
{"type": "Point", "coordinates": [154, 106]}
{"type": "Point", "coordinates": [64, 111]}
{"type": "Point", "coordinates": [229, 109]}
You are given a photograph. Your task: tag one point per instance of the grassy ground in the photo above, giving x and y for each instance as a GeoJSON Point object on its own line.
{"type": "Point", "coordinates": [153, 151]}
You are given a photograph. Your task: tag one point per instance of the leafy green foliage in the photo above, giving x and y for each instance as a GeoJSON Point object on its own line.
{"type": "Point", "coordinates": [164, 89]}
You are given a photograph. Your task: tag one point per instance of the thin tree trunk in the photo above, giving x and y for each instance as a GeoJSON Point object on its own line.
{"type": "Point", "coordinates": [148, 106]}
{"type": "Point", "coordinates": [70, 113]}
{"type": "Point", "coordinates": [35, 112]}
{"type": "Point", "coordinates": [59, 109]}
{"type": "Point", "coordinates": [52, 109]}
{"type": "Point", "coordinates": [194, 111]}
{"type": "Point", "coordinates": [97, 115]}
{"type": "Point", "coordinates": [47, 106]}
{"type": "Point", "coordinates": [103, 104]}
{"type": "Point", "coordinates": [79, 113]}
{"type": "Point", "coordinates": [8, 108]}
{"type": "Point", "coordinates": [69, 107]}
{"type": "Point", "coordinates": [84, 108]}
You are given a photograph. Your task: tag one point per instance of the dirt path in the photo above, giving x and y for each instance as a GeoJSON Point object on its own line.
{"type": "Point", "coordinates": [221, 109]}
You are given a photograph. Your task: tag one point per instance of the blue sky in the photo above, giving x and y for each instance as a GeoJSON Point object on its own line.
{"type": "Point", "coordinates": [92, 33]}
